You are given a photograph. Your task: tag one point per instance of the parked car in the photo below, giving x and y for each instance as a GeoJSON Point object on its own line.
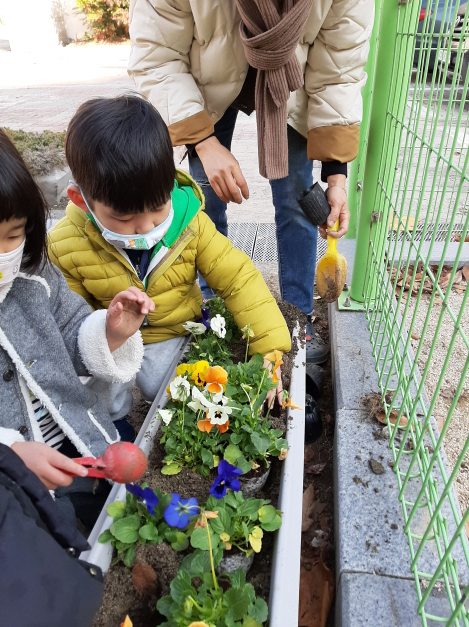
{"type": "Point", "coordinates": [442, 25]}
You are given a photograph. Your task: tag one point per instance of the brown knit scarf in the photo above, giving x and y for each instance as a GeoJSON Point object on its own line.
{"type": "Point", "coordinates": [270, 38]}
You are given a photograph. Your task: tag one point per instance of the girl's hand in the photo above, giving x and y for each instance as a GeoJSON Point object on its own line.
{"type": "Point", "coordinates": [125, 315]}
{"type": "Point", "coordinates": [339, 209]}
{"type": "Point", "coordinates": [279, 389]}
{"type": "Point", "coordinates": [50, 466]}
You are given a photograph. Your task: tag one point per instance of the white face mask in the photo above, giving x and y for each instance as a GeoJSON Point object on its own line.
{"type": "Point", "coordinates": [10, 264]}
{"type": "Point", "coordinates": [142, 241]}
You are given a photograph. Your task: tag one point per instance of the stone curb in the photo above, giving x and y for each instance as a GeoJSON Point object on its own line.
{"type": "Point", "coordinates": [52, 185]}
{"type": "Point", "coordinates": [374, 583]}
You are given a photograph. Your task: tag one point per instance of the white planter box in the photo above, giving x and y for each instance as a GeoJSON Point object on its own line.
{"type": "Point", "coordinates": [285, 581]}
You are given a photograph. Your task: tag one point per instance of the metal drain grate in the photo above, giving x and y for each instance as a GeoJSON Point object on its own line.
{"type": "Point", "coordinates": [265, 250]}
{"type": "Point", "coordinates": [442, 232]}
{"type": "Point", "coordinates": [243, 236]}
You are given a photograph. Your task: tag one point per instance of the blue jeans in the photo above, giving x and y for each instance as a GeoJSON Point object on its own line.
{"type": "Point", "coordinates": [296, 237]}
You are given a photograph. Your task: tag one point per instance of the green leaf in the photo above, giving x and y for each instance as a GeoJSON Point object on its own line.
{"type": "Point", "coordinates": [255, 363]}
{"type": "Point", "coordinates": [235, 438]}
{"type": "Point", "coordinates": [243, 464]}
{"type": "Point", "coordinates": [181, 543]}
{"type": "Point", "coordinates": [203, 470]}
{"type": "Point", "coordinates": [129, 556]}
{"type": "Point", "coordinates": [259, 611]}
{"type": "Point", "coordinates": [250, 506]}
{"type": "Point", "coordinates": [274, 525]}
{"type": "Point", "coordinates": [261, 442]}
{"type": "Point", "coordinates": [267, 514]}
{"type": "Point", "coordinates": [197, 563]}
{"type": "Point", "coordinates": [207, 457]}
{"type": "Point", "coordinates": [124, 530]}
{"type": "Point", "coordinates": [230, 390]}
{"type": "Point", "coordinates": [232, 454]}
{"type": "Point", "coordinates": [250, 622]}
{"type": "Point", "coordinates": [105, 537]}
{"type": "Point", "coordinates": [260, 399]}
{"type": "Point", "coordinates": [171, 469]}
{"type": "Point", "coordinates": [181, 586]}
{"type": "Point", "coordinates": [164, 606]}
{"type": "Point", "coordinates": [149, 532]}
{"type": "Point", "coordinates": [217, 525]}
{"type": "Point", "coordinates": [116, 510]}
{"type": "Point", "coordinates": [238, 578]}
{"type": "Point", "coordinates": [199, 538]}
{"type": "Point", "coordinates": [230, 499]}
{"type": "Point", "coordinates": [238, 603]}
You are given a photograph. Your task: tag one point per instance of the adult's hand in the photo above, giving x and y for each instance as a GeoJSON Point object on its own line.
{"type": "Point", "coordinates": [337, 198]}
{"type": "Point", "coordinates": [223, 171]}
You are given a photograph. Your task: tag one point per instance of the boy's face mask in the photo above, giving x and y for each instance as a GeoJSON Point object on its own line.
{"type": "Point", "coordinates": [140, 241]}
{"type": "Point", "coordinates": [10, 264]}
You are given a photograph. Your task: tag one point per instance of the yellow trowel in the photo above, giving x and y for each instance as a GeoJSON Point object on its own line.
{"type": "Point", "coordinates": [331, 270]}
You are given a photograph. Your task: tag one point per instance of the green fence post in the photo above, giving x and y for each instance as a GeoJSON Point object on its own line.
{"type": "Point", "coordinates": [357, 167]}
{"type": "Point", "coordinates": [385, 44]}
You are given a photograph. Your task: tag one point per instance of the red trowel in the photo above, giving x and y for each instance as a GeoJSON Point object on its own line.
{"type": "Point", "coordinates": [123, 462]}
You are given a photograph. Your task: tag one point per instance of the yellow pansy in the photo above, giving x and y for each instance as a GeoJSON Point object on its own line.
{"type": "Point", "coordinates": [198, 372]}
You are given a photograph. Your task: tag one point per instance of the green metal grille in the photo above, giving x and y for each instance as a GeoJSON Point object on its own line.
{"type": "Point", "coordinates": [415, 199]}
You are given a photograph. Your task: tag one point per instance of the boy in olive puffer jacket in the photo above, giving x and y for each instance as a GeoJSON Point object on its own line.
{"type": "Point", "coordinates": [134, 220]}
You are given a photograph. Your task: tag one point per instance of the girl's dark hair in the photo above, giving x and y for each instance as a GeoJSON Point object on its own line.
{"type": "Point", "coordinates": [20, 197]}
{"type": "Point", "coordinates": [120, 154]}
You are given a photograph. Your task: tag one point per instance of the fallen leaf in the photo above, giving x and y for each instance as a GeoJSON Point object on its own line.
{"type": "Point", "coordinates": [308, 508]}
{"type": "Point", "coordinates": [401, 223]}
{"type": "Point", "coordinates": [438, 301]}
{"type": "Point", "coordinates": [316, 469]}
{"type": "Point", "coordinates": [441, 423]}
{"type": "Point", "coordinates": [309, 454]}
{"type": "Point", "coordinates": [446, 393]}
{"type": "Point", "coordinates": [316, 594]}
{"type": "Point", "coordinates": [381, 417]}
{"type": "Point", "coordinates": [144, 579]}
{"type": "Point", "coordinates": [465, 272]}
{"type": "Point", "coordinates": [457, 277]}
{"type": "Point", "coordinates": [466, 524]}
{"type": "Point", "coordinates": [415, 336]}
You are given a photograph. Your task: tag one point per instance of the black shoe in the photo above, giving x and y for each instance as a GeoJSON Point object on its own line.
{"type": "Point", "coordinates": [125, 429]}
{"type": "Point", "coordinates": [314, 380]}
{"type": "Point", "coordinates": [313, 422]}
{"type": "Point", "coordinates": [316, 351]}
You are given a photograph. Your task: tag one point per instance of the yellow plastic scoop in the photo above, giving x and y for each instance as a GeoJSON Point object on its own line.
{"type": "Point", "coordinates": [331, 271]}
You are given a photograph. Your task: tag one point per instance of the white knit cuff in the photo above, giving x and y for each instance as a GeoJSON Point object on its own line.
{"type": "Point", "coordinates": [119, 366]}
{"type": "Point", "coordinates": [10, 436]}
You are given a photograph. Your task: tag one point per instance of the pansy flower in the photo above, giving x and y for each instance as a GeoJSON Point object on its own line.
{"type": "Point", "coordinates": [215, 379]}
{"type": "Point", "coordinates": [199, 401]}
{"type": "Point", "coordinates": [227, 478]}
{"type": "Point", "coordinates": [206, 317]}
{"type": "Point", "coordinates": [218, 326]}
{"type": "Point", "coordinates": [198, 372]}
{"type": "Point", "coordinates": [196, 328]}
{"type": "Point", "coordinates": [180, 511]}
{"type": "Point", "coordinates": [275, 357]}
{"type": "Point", "coordinates": [179, 388]}
{"type": "Point", "coordinates": [146, 495]}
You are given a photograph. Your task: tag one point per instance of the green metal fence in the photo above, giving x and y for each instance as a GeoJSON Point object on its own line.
{"type": "Point", "coordinates": [410, 188]}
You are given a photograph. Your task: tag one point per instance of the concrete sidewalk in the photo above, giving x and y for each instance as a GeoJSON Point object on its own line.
{"type": "Point", "coordinates": [43, 92]}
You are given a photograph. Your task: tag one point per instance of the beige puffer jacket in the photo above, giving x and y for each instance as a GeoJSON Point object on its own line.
{"type": "Point", "coordinates": [188, 60]}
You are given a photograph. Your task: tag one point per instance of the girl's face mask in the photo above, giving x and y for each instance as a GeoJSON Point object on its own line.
{"type": "Point", "coordinates": [10, 264]}
{"type": "Point", "coordinates": [139, 241]}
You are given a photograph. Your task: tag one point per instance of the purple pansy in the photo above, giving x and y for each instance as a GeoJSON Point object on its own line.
{"type": "Point", "coordinates": [226, 479]}
{"type": "Point", "coordinates": [180, 511]}
{"type": "Point", "coordinates": [206, 316]}
{"type": "Point", "coordinates": [146, 495]}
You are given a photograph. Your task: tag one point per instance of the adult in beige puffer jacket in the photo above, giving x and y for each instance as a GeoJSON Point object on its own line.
{"type": "Point", "coordinates": [189, 59]}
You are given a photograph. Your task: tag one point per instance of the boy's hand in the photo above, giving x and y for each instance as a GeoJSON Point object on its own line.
{"type": "Point", "coordinates": [125, 315]}
{"type": "Point", "coordinates": [50, 466]}
{"type": "Point", "coordinates": [279, 389]}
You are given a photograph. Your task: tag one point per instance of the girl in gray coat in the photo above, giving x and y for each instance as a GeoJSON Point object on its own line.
{"type": "Point", "coordinates": [49, 338]}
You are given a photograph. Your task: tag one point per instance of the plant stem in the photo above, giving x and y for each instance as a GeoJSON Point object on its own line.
{"type": "Point", "coordinates": [247, 348]}
{"type": "Point", "coordinates": [215, 584]}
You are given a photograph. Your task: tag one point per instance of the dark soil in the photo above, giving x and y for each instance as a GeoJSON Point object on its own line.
{"type": "Point", "coordinates": [120, 596]}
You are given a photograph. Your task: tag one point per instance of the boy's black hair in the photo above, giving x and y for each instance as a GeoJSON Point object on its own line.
{"type": "Point", "coordinates": [120, 154]}
{"type": "Point", "coordinates": [20, 197]}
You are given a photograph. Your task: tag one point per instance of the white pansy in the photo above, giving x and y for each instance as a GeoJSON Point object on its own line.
{"type": "Point", "coordinates": [179, 388]}
{"type": "Point", "coordinates": [218, 326]}
{"type": "Point", "coordinates": [196, 328]}
{"type": "Point", "coordinates": [165, 415]}
{"type": "Point", "coordinates": [199, 401]}
{"type": "Point", "coordinates": [219, 399]}
{"type": "Point", "coordinates": [219, 414]}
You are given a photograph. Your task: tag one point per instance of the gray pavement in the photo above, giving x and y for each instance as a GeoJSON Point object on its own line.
{"type": "Point", "coordinates": [39, 93]}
